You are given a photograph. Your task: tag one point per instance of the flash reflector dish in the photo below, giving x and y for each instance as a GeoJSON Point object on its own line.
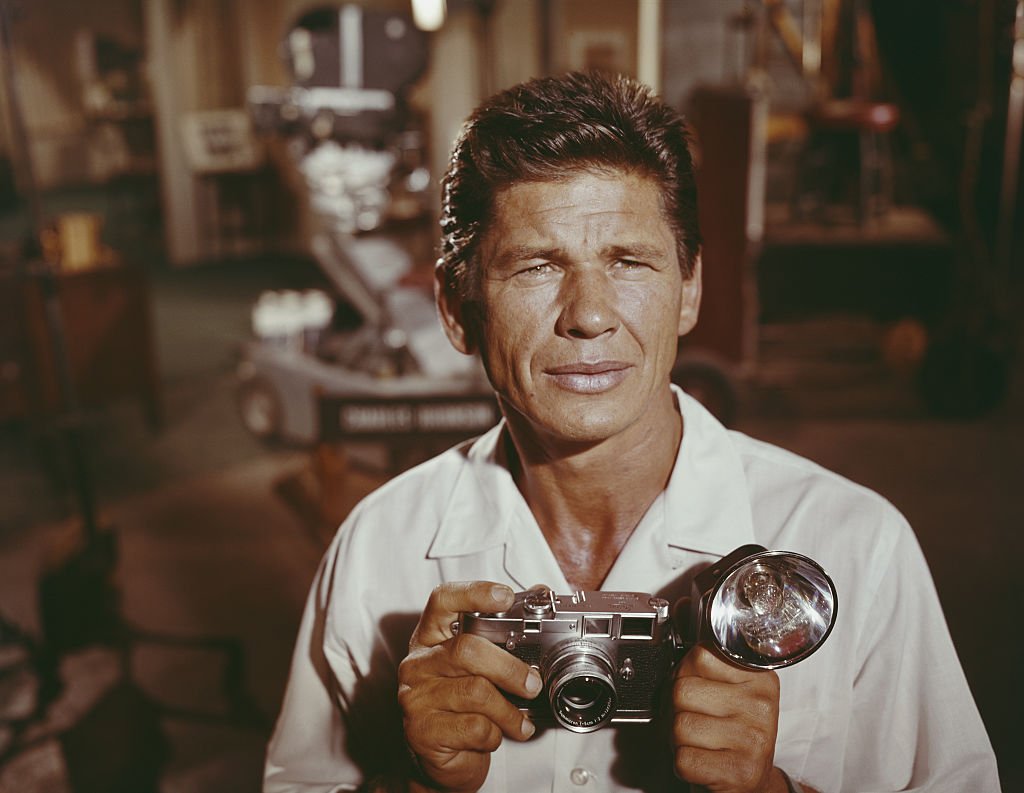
{"type": "Point", "coordinates": [771, 609]}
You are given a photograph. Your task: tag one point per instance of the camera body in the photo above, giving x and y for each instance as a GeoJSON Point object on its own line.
{"type": "Point", "coordinates": [604, 656]}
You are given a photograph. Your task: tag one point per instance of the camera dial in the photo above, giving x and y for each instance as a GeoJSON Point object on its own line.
{"type": "Point", "coordinates": [539, 601]}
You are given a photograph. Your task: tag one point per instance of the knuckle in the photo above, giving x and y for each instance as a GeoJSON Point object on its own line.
{"type": "Point", "coordinates": [690, 764]}
{"type": "Point", "coordinates": [417, 731]}
{"type": "Point", "coordinates": [748, 775]}
{"type": "Point", "coordinates": [463, 649]}
{"type": "Point", "coordinates": [414, 702]}
{"type": "Point", "coordinates": [703, 659]}
{"type": "Point", "coordinates": [683, 726]}
{"type": "Point", "coordinates": [406, 668]}
{"type": "Point", "coordinates": [478, 731]}
{"type": "Point", "coordinates": [439, 591]}
{"type": "Point", "coordinates": [405, 697]}
{"type": "Point", "coordinates": [758, 743]}
{"type": "Point", "coordinates": [764, 709]}
{"type": "Point", "coordinates": [437, 597]}
{"type": "Point", "coordinates": [685, 689]}
{"type": "Point", "coordinates": [415, 666]}
{"type": "Point", "coordinates": [477, 690]}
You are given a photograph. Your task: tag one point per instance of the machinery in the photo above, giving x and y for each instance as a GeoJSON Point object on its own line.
{"type": "Point", "coordinates": [376, 365]}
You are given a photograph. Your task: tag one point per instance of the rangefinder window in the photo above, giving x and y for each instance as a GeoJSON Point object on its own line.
{"type": "Point", "coordinates": [637, 628]}
{"type": "Point", "coordinates": [531, 626]}
{"type": "Point", "coordinates": [597, 626]}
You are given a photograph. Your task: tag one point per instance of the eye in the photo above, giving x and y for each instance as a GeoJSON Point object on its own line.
{"type": "Point", "coordinates": [630, 265]}
{"type": "Point", "coordinates": [536, 270]}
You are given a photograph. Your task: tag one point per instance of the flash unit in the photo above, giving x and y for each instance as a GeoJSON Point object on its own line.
{"type": "Point", "coordinates": [764, 609]}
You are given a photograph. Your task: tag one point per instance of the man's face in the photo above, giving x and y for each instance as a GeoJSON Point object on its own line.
{"type": "Point", "coordinates": [583, 303]}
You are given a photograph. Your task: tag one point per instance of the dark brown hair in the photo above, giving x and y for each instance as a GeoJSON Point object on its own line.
{"type": "Point", "coordinates": [547, 129]}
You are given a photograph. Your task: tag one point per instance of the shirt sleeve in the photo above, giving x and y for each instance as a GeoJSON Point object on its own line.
{"type": "Point", "coordinates": [340, 723]}
{"type": "Point", "coordinates": [915, 726]}
{"type": "Point", "coordinates": [307, 750]}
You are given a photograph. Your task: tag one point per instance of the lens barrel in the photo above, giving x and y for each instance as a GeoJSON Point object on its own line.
{"type": "Point", "coordinates": [581, 686]}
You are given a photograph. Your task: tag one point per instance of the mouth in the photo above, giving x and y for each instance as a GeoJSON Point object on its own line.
{"type": "Point", "coordinates": [589, 378]}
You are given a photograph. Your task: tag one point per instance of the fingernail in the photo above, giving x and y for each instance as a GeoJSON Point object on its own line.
{"type": "Point", "coordinates": [500, 593]}
{"type": "Point", "coordinates": [528, 728]}
{"type": "Point", "coordinates": [533, 682]}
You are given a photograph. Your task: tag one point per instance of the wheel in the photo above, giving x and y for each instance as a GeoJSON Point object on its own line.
{"type": "Point", "coordinates": [710, 386]}
{"type": "Point", "coordinates": [260, 408]}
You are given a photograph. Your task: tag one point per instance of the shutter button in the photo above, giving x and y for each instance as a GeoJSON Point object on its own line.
{"type": "Point", "coordinates": [579, 776]}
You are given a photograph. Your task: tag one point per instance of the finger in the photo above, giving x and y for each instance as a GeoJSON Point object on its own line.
{"type": "Point", "coordinates": [467, 654]}
{"type": "Point", "coordinates": [468, 695]}
{"type": "Point", "coordinates": [452, 769]}
{"type": "Point", "coordinates": [699, 731]}
{"type": "Point", "coordinates": [444, 732]}
{"type": "Point", "coordinates": [708, 767]}
{"type": "Point", "coordinates": [705, 662]}
{"type": "Point", "coordinates": [754, 702]}
{"type": "Point", "coordinates": [447, 601]}
{"type": "Point", "coordinates": [693, 694]}
{"type": "Point", "coordinates": [477, 695]}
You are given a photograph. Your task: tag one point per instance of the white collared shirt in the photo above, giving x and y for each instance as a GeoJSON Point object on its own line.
{"type": "Point", "coordinates": [882, 706]}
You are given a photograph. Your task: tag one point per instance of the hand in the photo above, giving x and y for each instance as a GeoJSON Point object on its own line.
{"type": "Point", "coordinates": [724, 724]}
{"type": "Point", "coordinates": [448, 688]}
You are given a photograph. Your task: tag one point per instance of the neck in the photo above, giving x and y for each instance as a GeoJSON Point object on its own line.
{"type": "Point", "coordinates": [588, 499]}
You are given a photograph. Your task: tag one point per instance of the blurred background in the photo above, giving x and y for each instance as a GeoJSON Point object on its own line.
{"type": "Point", "coordinates": [218, 222]}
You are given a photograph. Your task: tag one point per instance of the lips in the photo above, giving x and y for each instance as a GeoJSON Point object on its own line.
{"type": "Point", "coordinates": [589, 378]}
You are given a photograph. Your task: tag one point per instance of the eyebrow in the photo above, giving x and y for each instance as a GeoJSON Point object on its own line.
{"type": "Point", "coordinates": [519, 253]}
{"type": "Point", "coordinates": [639, 250]}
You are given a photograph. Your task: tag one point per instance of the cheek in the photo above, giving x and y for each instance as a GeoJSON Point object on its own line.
{"type": "Point", "coordinates": [507, 342]}
{"type": "Point", "coordinates": [654, 314]}
{"type": "Point", "coordinates": [514, 322]}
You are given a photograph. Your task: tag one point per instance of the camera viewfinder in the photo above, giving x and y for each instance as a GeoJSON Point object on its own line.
{"type": "Point", "coordinates": [597, 626]}
{"type": "Point", "coordinates": [637, 628]}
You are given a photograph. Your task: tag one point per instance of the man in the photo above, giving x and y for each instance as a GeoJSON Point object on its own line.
{"type": "Point", "coordinates": [571, 264]}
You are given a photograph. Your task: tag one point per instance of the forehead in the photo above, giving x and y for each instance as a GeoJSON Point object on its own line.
{"type": "Point", "coordinates": [580, 205]}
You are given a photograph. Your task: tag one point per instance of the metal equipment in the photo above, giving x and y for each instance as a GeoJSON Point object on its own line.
{"type": "Point", "coordinates": [393, 375]}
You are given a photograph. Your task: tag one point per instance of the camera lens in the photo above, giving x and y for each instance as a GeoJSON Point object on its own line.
{"type": "Point", "coordinates": [583, 694]}
{"type": "Point", "coordinates": [581, 686]}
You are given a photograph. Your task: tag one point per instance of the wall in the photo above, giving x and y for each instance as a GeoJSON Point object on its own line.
{"type": "Point", "coordinates": [702, 46]}
{"type": "Point", "coordinates": [63, 144]}
{"type": "Point", "coordinates": [587, 34]}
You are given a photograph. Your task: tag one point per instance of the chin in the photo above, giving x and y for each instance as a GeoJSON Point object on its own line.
{"type": "Point", "coordinates": [581, 427]}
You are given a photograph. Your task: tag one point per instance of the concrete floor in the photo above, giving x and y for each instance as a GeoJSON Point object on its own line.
{"type": "Point", "coordinates": [212, 557]}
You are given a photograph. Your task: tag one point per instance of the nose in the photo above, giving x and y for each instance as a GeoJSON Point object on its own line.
{"type": "Point", "coordinates": [588, 305]}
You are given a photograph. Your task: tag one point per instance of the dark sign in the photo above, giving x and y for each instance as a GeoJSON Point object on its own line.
{"type": "Point", "coordinates": [449, 417]}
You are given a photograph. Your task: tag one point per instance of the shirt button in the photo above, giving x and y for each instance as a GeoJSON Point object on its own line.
{"type": "Point", "coordinates": [579, 776]}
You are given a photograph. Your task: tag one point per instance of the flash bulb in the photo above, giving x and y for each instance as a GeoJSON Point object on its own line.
{"type": "Point", "coordinates": [765, 609]}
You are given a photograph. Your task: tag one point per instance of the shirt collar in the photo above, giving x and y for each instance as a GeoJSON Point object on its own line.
{"type": "Point", "coordinates": [482, 503]}
{"type": "Point", "coordinates": [706, 505]}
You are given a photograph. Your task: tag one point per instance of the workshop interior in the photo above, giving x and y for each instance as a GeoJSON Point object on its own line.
{"type": "Point", "coordinates": [218, 228]}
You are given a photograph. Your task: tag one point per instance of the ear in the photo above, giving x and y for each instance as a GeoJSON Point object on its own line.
{"type": "Point", "coordinates": [450, 310]}
{"type": "Point", "coordinates": [689, 307]}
